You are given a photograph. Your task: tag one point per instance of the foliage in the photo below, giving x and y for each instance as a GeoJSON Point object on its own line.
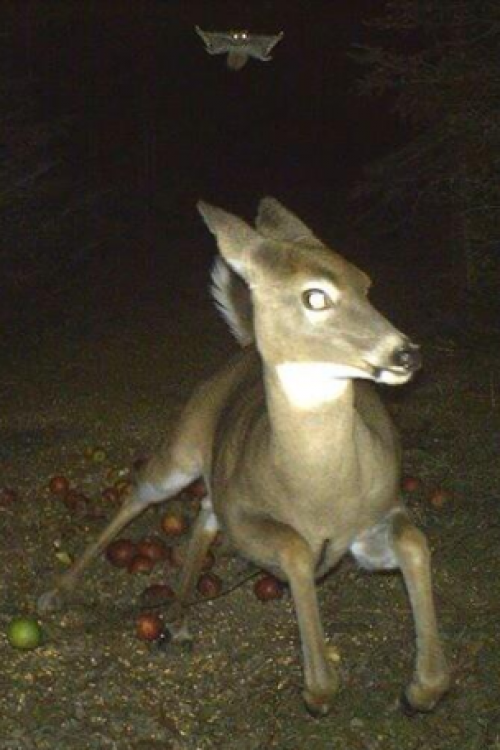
{"type": "Point", "coordinates": [50, 215]}
{"type": "Point", "coordinates": [438, 59]}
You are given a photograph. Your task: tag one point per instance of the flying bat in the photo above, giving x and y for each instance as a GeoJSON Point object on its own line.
{"type": "Point", "coordinates": [239, 46]}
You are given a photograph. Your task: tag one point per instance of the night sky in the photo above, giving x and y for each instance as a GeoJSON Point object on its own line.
{"type": "Point", "coordinates": [151, 105]}
{"type": "Point", "coordinates": [151, 117]}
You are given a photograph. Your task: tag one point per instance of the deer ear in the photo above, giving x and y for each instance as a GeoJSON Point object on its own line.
{"type": "Point", "coordinates": [237, 240]}
{"type": "Point", "coordinates": [276, 222]}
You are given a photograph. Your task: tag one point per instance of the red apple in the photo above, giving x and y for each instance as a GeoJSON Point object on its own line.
{"type": "Point", "coordinates": [121, 552]}
{"type": "Point", "coordinates": [149, 626]}
{"type": "Point", "coordinates": [209, 585]}
{"type": "Point", "coordinates": [267, 588]}
{"type": "Point", "coordinates": [411, 484]}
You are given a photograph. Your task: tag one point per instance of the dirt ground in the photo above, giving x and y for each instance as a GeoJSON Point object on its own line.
{"type": "Point", "coordinates": [93, 684]}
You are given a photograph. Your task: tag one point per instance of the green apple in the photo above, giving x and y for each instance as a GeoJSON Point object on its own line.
{"type": "Point", "coordinates": [24, 633]}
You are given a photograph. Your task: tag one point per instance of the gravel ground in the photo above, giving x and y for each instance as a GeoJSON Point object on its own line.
{"type": "Point", "coordinates": [93, 684]}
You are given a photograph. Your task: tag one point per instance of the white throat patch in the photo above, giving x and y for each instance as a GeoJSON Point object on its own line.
{"type": "Point", "coordinates": [313, 384]}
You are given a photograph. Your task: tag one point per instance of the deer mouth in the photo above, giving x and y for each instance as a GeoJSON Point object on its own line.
{"type": "Point", "coordinates": [403, 363]}
{"type": "Point", "coordinates": [391, 375]}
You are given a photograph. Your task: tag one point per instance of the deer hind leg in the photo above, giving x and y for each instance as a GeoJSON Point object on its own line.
{"type": "Point", "coordinates": [163, 476]}
{"type": "Point", "coordinates": [278, 547]}
{"type": "Point", "coordinates": [397, 543]}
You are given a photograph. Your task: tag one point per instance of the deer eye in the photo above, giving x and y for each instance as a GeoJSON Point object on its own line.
{"type": "Point", "coordinates": [316, 300]}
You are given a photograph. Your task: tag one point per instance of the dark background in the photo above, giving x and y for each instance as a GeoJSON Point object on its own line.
{"type": "Point", "coordinates": [142, 122]}
{"type": "Point", "coordinates": [140, 83]}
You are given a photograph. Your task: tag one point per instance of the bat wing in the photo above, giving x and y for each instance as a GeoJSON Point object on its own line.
{"type": "Point", "coordinates": [218, 42]}
{"type": "Point", "coordinates": [247, 45]}
{"type": "Point", "coordinates": [260, 46]}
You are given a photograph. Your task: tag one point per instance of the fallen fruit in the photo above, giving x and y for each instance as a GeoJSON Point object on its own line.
{"type": "Point", "coordinates": [153, 548]}
{"type": "Point", "coordinates": [157, 594]}
{"type": "Point", "coordinates": [209, 584]}
{"type": "Point", "coordinates": [267, 588]}
{"type": "Point", "coordinates": [411, 484]}
{"type": "Point", "coordinates": [59, 485]}
{"type": "Point", "coordinates": [24, 633]}
{"type": "Point", "coordinates": [439, 498]}
{"type": "Point", "coordinates": [174, 524]}
{"type": "Point", "coordinates": [149, 626]}
{"type": "Point", "coordinates": [121, 552]}
{"type": "Point", "coordinates": [141, 564]}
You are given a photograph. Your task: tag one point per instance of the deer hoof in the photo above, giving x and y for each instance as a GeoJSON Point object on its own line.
{"type": "Point", "coordinates": [419, 701]}
{"type": "Point", "coordinates": [406, 707]}
{"type": "Point", "coordinates": [51, 601]}
{"type": "Point", "coordinates": [317, 704]}
{"type": "Point", "coordinates": [179, 632]}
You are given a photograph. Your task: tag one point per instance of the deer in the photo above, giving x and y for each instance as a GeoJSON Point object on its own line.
{"type": "Point", "coordinates": [299, 455]}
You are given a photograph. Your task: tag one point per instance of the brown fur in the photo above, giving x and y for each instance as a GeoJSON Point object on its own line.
{"type": "Point", "coordinates": [300, 457]}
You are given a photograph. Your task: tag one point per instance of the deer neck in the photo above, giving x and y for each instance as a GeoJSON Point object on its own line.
{"type": "Point", "coordinates": [310, 413]}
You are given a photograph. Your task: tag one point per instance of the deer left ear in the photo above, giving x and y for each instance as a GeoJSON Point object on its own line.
{"type": "Point", "coordinates": [278, 223]}
{"type": "Point", "coordinates": [236, 239]}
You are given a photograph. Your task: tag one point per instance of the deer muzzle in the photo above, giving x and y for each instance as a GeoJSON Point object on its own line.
{"type": "Point", "coordinates": [407, 357]}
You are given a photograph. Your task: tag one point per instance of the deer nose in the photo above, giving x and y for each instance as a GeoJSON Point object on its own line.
{"type": "Point", "coordinates": [408, 357]}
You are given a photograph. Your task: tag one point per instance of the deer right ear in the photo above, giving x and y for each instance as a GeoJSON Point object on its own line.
{"type": "Point", "coordinates": [236, 239]}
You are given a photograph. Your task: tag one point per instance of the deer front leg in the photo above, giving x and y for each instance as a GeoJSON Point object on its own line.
{"type": "Point", "coordinates": [279, 547]}
{"type": "Point", "coordinates": [431, 678]}
{"type": "Point", "coordinates": [396, 542]}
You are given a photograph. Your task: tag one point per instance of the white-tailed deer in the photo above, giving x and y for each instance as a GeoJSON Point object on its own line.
{"type": "Point", "coordinates": [300, 457]}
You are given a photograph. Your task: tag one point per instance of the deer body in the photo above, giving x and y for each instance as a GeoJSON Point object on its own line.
{"type": "Point", "coordinates": [299, 455]}
{"type": "Point", "coordinates": [335, 495]}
